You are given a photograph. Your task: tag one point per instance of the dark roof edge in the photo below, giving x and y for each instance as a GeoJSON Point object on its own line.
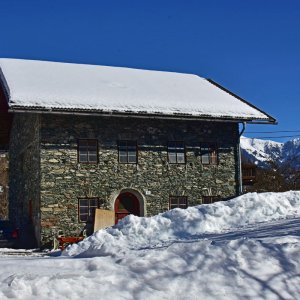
{"type": "Point", "coordinates": [4, 86]}
{"type": "Point", "coordinates": [43, 110]}
{"type": "Point", "coordinates": [271, 119]}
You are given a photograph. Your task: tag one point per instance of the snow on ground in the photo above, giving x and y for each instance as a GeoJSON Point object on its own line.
{"type": "Point", "coordinates": [181, 224]}
{"type": "Point", "coordinates": [219, 251]}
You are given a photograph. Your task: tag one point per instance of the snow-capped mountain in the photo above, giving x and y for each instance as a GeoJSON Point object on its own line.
{"type": "Point", "coordinates": [261, 151]}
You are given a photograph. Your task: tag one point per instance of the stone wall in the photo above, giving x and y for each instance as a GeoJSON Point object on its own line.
{"type": "Point", "coordinates": [64, 180]}
{"type": "Point", "coordinates": [24, 178]}
{"type": "Point", "coordinates": [3, 185]}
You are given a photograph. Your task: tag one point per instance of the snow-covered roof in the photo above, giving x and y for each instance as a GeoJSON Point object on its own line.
{"type": "Point", "coordinates": [77, 87]}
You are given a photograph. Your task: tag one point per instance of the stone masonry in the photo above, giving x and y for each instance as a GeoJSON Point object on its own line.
{"type": "Point", "coordinates": [3, 185]}
{"type": "Point", "coordinates": [24, 176]}
{"type": "Point", "coordinates": [63, 180]}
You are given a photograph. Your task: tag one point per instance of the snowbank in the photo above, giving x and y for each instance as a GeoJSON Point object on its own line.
{"type": "Point", "coordinates": [201, 269]}
{"type": "Point", "coordinates": [257, 261]}
{"type": "Point", "coordinates": [178, 224]}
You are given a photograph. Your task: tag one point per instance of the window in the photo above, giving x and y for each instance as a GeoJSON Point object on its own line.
{"type": "Point", "coordinates": [176, 152]}
{"type": "Point", "coordinates": [210, 199]}
{"type": "Point", "coordinates": [127, 152]}
{"type": "Point", "coordinates": [209, 154]}
{"type": "Point", "coordinates": [88, 151]}
{"type": "Point", "coordinates": [177, 202]}
{"type": "Point", "coordinates": [86, 209]}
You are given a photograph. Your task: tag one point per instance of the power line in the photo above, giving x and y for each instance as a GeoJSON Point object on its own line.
{"type": "Point", "coordinates": [279, 131]}
{"type": "Point", "coordinates": [274, 137]}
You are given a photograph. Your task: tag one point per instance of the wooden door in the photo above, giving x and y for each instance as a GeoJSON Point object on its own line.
{"type": "Point", "coordinates": [126, 204]}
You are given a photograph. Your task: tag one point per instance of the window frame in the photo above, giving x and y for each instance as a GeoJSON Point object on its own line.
{"type": "Point", "coordinates": [212, 199]}
{"type": "Point", "coordinates": [176, 152]}
{"type": "Point", "coordinates": [213, 153]}
{"type": "Point", "coordinates": [87, 154]}
{"type": "Point", "coordinates": [178, 204]}
{"type": "Point", "coordinates": [89, 207]}
{"type": "Point", "coordinates": [127, 156]}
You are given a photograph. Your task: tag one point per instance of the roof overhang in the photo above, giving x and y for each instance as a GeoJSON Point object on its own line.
{"type": "Point", "coordinates": [269, 120]}
{"type": "Point", "coordinates": [131, 114]}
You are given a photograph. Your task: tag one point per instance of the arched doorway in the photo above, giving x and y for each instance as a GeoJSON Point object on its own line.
{"type": "Point", "coordinates": [126, 204]}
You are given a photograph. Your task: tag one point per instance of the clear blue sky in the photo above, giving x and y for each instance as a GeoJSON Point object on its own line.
{"type": "Point", "coordinates": [252, 47]}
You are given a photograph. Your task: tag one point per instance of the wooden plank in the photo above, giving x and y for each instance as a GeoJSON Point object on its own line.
{"type": "Point", "coordinates": [104, 218]}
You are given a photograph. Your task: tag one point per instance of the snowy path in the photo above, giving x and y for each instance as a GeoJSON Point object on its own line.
{"type": "Point", "coordinates": [261, 261]}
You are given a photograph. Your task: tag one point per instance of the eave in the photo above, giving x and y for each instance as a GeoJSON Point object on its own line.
{"type": "Point", "coordinates": [270, 119]}
{"type": "Point", "coordinates": [132, 114]}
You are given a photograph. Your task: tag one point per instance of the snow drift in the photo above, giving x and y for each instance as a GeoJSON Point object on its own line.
{"type": "Point", "coordinates": [239, 259]}
{"type": "Point", "coordinates": [133, 233]}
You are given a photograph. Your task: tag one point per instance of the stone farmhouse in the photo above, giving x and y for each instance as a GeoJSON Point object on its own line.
{"type": "Point", "coordinates": [133, 141]}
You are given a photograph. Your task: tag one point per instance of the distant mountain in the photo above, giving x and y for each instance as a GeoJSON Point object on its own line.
{"type": "Point", "coordinates": [260, 151]}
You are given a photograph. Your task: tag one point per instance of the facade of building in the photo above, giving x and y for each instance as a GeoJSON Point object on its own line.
{"type": "Point", "coordinates": [67, 159]}
{"type": "Point", "coordinates": [3, 185]}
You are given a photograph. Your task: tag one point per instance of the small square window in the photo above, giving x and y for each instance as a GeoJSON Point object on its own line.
{"type": "Point", "coordinates": [209, 154]}
{"type": "Point", "coordinates": [210, 199]}
{"type": "Point", "coordinates": [88, 151]}
{"type": "Point", "coordinates": [127, 152]}
{"type": "Point", "coordinates": [176, 152]}
{"type": "Point", "coordinates": [177, 202]}
{"type": "Point", "coordinates": [86, 209]}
